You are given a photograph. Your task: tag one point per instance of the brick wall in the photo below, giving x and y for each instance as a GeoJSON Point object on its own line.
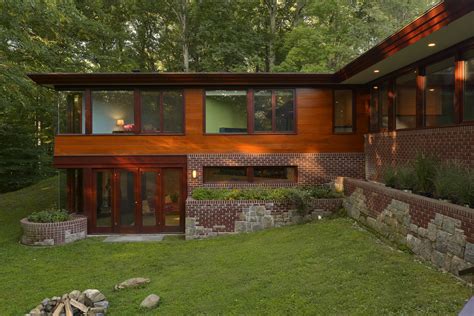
{"type": "Point", "coordinates": [440, 232]}
{"type": "Point", "coordinates": [399, 147]}
{"type": "Point", "coordinates": [220, 216]}
{"type": "Point", "coordinates": [313, 168]}
{"type": "Point", "coordinates": [48, 234]}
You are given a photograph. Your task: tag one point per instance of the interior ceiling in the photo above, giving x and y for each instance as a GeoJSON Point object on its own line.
{"type": "Point", "coordinates": [453, 33]}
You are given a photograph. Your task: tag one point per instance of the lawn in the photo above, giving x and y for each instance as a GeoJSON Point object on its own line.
{"type": "Point", "coordinates": [327, 267]}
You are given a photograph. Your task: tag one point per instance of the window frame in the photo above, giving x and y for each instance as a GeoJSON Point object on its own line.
{"type": "Point", "coordinates": [250, 175]}
{"type": "Point", "coordinates": [354, 114]}
{"type": "Point", "coordinates": [250, 111]}
{"type": "Point", "coordinates": [395, 98]}
{"type": "Point", "coordinates": [162, 122]}
{"type": "Point", "coordinates": [83, 118]}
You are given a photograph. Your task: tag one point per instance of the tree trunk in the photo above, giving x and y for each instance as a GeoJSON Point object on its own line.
{"type": "Point", "coordinates": [272, 12]}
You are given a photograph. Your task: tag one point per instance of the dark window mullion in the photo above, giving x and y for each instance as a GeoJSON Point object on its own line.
{"type": "Point", "coordinates": [250, 174]}
{"type": "Point", "coordinates": [162, 121]}
{"type": "Point", "coordinates": [273, 111]}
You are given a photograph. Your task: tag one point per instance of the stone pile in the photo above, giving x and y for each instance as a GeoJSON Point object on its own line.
{"type": "Point", "coordinates": [90, 302]}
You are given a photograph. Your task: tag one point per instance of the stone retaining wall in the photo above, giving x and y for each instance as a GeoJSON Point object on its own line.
{"type": "Point", "coordinates": [207, 218]}
{"type": "Point", "coordinates": [48, 234]}
{"type": "Point", "coordinates": [437, 231]}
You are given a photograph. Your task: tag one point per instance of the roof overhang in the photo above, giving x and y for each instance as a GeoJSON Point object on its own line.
{"type": "Point", "coordinates": [58, 80]}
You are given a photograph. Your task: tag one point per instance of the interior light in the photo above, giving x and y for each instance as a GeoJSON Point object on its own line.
{"type": "Point", "coordinates": [120, 123]}
{"type": "Point", "coordinates": [431, 44]}
{"type": "Point", "coordinates": [376, 71]}
{"type": "Point", "coordinates": [432, 90]}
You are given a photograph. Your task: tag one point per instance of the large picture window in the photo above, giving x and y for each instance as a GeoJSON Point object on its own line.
{"type": "Point", "coordinates": [71, 112]}
{"type": "Point", "coordinates": [274, 111]}
{"type": "Point", "coordinates": [267, 174]}
{"type": "Point", "coordinates": [162, 111]}
{"type": "Point", "coordinates": [405, 101]}
{"type": "Point", "coordinates": [468, 104]}
{"type": "Point", "coordinates": [226, 111]}
{"type": "Point", "coordinates": [112, 112]}
{"type": "Point", "coordinates": [343, 111]}
{"type": "Point", "coordinates": [439, 93]}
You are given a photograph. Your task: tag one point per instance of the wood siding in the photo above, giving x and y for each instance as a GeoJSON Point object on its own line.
{"type": "Point", "coordinates": [314, 133]}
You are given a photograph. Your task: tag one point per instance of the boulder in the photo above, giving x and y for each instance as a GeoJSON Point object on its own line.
{"type": "Point", "coordinates": [151, 301]}
{"type": "Point", "coordinates": [75, 294]}
{"type": "Point", "coordinates": [92, 296]}
{"type": "Point", "coordinates": [131, 283]}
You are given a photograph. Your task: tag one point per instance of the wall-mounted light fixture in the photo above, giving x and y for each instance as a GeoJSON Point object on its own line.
{"type": "Point", "coordinates": [194, 174]}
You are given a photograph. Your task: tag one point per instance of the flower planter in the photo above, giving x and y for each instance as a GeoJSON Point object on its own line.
{"type": "Point", "coordinates": [49, 234]}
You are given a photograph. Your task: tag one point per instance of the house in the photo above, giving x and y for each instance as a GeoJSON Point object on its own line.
{"type": "Point", "coordinates": [135, 145]}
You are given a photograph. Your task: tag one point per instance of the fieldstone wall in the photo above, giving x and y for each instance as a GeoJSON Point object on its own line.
{"type": "Point", "coordinates": [440, 232]}
{"type": "Point", "coordinates": [209, 218]}
{"type": "Point", "coordinates": [49, 234]}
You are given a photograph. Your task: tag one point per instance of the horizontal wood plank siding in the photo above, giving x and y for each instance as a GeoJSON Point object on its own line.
{"type": "Point", "coordinates": [315, 133]}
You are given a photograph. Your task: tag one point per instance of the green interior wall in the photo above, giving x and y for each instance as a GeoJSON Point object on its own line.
{"type": "Point", "coordinates": [226, 112]}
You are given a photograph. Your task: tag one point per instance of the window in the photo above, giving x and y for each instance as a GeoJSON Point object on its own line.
{"type": "Point", "coordinates": [274, 111]}
{"type": "Point", "coordinates": [343, 107]}
{"type": "Point", "coordinates": [162, 111]}
{"type": "Point", "coordinates": [225, 174]}
{"type": "Point", "coordinates": [405, 101]}
{"type": "Point", "coordinates": [383, 103]}
{"type": "Point", "coordinates": [439, 93]}
{"type": "Point", "coordinates": [226, 111]}
{"type": "Point", "coordinates": [468, 107]}
{"type": "Point", "coordinates": [71, 112]}
{"type": "Point", "coordinates": [273, 174]}
{"type": "Point", "coordinates": [374, 109]}
{"type": "Point", "coordinates": [112, 112]}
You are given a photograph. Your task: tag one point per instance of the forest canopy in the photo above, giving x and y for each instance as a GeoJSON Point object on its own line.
{"type": "Point", "coordinates": [166, 35]}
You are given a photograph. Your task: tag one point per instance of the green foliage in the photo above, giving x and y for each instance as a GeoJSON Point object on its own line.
{"type": "Point", "coordinates": [260, 193]}
{"type": "Point", "coordinates": [425, 171]}
{"type": "Point", "coordinates": [49, 216]}
{"type": "Point", "coordinates": [447, 181]}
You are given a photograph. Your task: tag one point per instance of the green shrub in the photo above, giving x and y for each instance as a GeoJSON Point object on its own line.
{"type": "Point", "coordinates": [51, 216]}
{"type": "Point", "coordinates": [275, 194]}
{"type": "Point", "coordinates": [425, 171]}
{"type": "Point", "coordinates": [455, 183]}
{"type": "Point", "coordinates": [389, 177]}
{"type": "Point", "coordinates": [406, 178]}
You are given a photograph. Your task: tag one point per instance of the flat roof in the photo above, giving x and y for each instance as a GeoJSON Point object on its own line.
{"type": "Point", "coordinates": [446, 24]}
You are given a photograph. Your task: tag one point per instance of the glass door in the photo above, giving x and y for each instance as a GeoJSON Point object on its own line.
{"type": "Point", "coordinates": [149, 202]}
{"type": "Point", "coordinates": [126, 197]}
{"type": "Point", "coordinates": [103, 183]}
{"type": "Point", "coordinates": [172, 200]}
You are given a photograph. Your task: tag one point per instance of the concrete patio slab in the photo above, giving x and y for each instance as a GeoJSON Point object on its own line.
{"type": "Point", "coordinates": [134, 238]}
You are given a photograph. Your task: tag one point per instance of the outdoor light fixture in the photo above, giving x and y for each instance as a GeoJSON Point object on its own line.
{"type": "Point", "coordinates": [375, 87]}
{"type": "Point", "coordinates": [432, 90]}
{"type": "Point", "coordinates": [376, 71]}
{"type": "Point", "coordinates": [194, 174]}
{"type": "Point", "coordinates": [431, 44]}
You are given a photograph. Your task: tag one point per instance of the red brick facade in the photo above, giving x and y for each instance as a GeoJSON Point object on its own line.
{"type": "Point", "coordinates": [314, 168]}
{"type": "Point", "coordinates": [422, 209]}
{"type": "Point", "coordinates": [399, 147]}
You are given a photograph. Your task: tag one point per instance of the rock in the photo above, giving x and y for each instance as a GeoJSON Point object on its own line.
{"type": "Point", "coordinates": [102, 304]}
{"type": "Point", "coordinates": [75, 294]}
{"type": "Point", "coordinates": [469, 252]}
{"type": "Point", "coordinates": [442, 241]}
{"type": "Point", "coordinates": [93, 296]}
{"type": "Point", "coordinates": [81, 298]}
{"type": "Point", "coordinates": [151, 301]}
{"type": "Point", "coordinates": [131, 283]}
{"type": "Point", "coordinates": [35, 312]}
{"type": "Point", "coordinates": [437, 258]}
{"type": "Point", "coordinates": [45, 302]}
{"type": "Point", "coordinates": [64, 297]}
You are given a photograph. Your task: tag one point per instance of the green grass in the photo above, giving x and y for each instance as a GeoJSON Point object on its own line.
{"type": "Point", "coordinates": [328, 267]}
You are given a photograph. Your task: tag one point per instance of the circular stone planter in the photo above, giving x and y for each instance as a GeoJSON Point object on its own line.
{"type": "Point", "coordinates": [49, 234]}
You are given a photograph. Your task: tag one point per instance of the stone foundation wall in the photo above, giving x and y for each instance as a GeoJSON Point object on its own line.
{"type": "Point", "coordinates": [400, 147]}
{"type": "Point", "coordinates": [439, 232]}
{"type": "Point", "coordinates": [49, 234]}
{"type": "Point", "coordinates": [208, 218]}
{"type": "Point", "coordinates": [313, 168]}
